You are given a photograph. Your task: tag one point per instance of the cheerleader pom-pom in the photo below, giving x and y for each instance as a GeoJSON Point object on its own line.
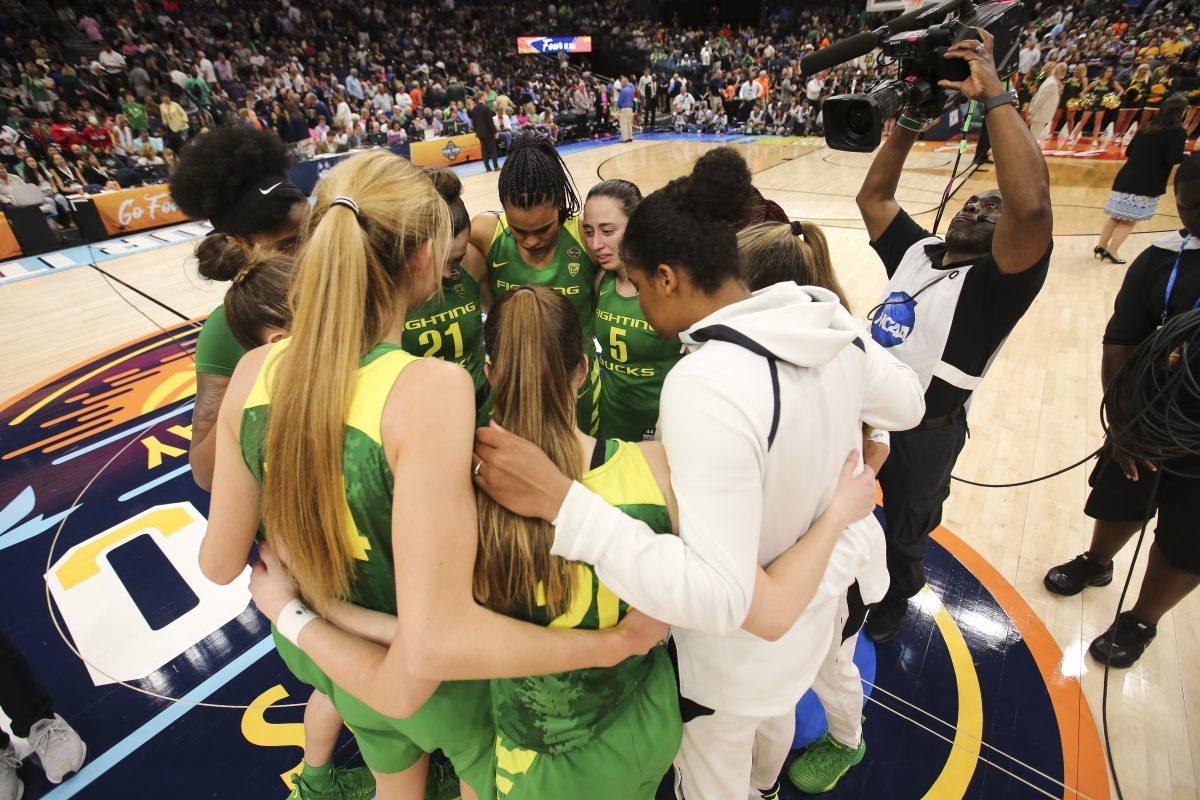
{"type": "Point", "coordinates": [1110, 101]}
{"type": "Point", "coordinates": [1073, 104]}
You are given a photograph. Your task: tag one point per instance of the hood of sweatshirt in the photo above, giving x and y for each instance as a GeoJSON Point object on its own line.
{"type": "Point", "coordinates": [801, 325]}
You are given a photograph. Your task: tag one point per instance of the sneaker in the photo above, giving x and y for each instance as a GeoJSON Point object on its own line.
{"type": "Point", "coordinates": [11, 787]}
{"type": "Point", "coordinates": [344, 784]}
{"type": "Point", "coordinates": [822, 765]}
{"type": "Point", "coordinates": [1124, 645]}
{"type": "Point", "coordinates": [772, 793]}
{"type": "Point", "coordinates": [58, 747]}
{"type": "Point", "coordinates": [1073, 577]}
{"type": "Point", "coordinates": [883, 621]}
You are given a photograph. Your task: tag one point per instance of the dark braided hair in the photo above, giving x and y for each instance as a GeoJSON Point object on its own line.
{"type": "Point", "coordinates": [534, 173]}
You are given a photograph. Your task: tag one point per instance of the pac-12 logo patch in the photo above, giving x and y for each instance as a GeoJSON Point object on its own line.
{"type": "Point", "coordinates": [895, 320]}
{"type": "Point", "coordinates": [574, 252]}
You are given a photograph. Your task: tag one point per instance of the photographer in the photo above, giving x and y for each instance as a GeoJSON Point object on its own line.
{"type": "Point", "coordinates": [973, 288]}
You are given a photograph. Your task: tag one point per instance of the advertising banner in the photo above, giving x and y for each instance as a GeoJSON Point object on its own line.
{"type": "Point", "coordinates": [447, 151]}
{"type": "Point", "coordinates": [136, 209]}
{"type": "Point", "coordinates": [8, 243]}
{"type": "Point", "coordinates": [554, 44]}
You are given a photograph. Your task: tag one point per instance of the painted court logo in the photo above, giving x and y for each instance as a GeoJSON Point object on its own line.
{"type": "Point", "coordinates": [895, 320]}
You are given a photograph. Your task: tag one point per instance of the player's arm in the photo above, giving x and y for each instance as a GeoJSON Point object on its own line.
{"type": "Point", "coordinates": [483, 230]}
{"type": "Point", "coordinates": [234, 515]}
{"type": "Point", "coordinates": [202, 451]}
{"type": "Point", "coordinates": [1024, 231]}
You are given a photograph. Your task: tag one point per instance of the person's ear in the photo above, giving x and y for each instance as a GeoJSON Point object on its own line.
{"type": "Point", "coordinates": [581, 373]}
{"type": "Point", "coordinates": [668, 279]}
{"type": "Point", "coordinates": [275, 335]}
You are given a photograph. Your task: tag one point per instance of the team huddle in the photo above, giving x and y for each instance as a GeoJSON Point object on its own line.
{"type": "Point", "coordinates": [413, 574]}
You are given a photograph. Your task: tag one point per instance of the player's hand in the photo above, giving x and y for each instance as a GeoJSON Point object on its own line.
{"type": "Point", "coordinates": [1129, 465]}
{"type": "Point", "coordinates": [854, 497]}
{"type": "Point", "coordinates": [517, 474]}
{"type": "Point", "coordinates": [270, 586]}
{"type": "Point", "coordinates": [637, 634]}
{"type": "Point", "coordinates": [875, 454]}
{"type": "Point", "coordinates": [983, 83]}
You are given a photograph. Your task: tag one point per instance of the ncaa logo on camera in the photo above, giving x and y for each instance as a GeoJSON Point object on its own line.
{"type": "Point", "coordinates": [451, 151]}
{"type": "Point", "coordinates": [895, 321]}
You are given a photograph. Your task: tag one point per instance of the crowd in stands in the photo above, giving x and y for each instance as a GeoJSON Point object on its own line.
{"type": "Point", "coordinates": [114, 105]}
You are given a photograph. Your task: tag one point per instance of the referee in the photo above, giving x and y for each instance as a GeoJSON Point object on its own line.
{"type": "Point", "coordinates": [948, 307]}
{"type": "Point", "coordinates": [1162, 282]}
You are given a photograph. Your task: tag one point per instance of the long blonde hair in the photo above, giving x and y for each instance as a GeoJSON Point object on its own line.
{"type": "Point", "coordinates": [533, 341]}
{"type": "Point", "coordinates": [770, 252]}
{"type": "Point", "coordinates": [354, 273]}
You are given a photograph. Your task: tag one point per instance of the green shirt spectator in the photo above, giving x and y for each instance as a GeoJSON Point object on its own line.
{"type": "Point", "coordinates": [135, 112]}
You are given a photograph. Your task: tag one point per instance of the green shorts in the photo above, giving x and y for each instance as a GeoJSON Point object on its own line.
{"type": "Point", "coordinates": [626, 760]}
{"type": "Point", "coordinates": [457, 720]}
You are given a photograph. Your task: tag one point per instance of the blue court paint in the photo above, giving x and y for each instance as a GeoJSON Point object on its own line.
{"type": "Point", "coordinates": [159, 481]}
{"type": "Point", "coordinates": [111, 757]}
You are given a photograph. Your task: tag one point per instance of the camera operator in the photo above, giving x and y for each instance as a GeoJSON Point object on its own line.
{"type": "Point", "coordinates": [949, 306]}
{"type": "Point", "coordinates": [1164, 281]}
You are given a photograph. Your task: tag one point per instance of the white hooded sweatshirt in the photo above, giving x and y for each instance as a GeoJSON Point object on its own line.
{"type": "Point", "coordinates": [744, 498]}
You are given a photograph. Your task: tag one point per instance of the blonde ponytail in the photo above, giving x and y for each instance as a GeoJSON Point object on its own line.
{"type": "Point", "coordinates": [354, 274]}
{"type": "Point", "coordinates": [533, 341]}
{"type": "Point", "coordinates": [771, 252]}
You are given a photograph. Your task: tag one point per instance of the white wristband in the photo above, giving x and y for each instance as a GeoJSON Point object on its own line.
{"type": "Point", "coordinates": [292, 619]}
{"type": "Point", "coordinates": [881, 437]}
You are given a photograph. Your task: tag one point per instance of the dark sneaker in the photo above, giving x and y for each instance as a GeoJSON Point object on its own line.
{"type": "Point", "coordinates": [1079, 573]}
{"type": "Point", "coordinates": [1124, 645]}
{"type": "Point", "coordinates": [883, 621]}
{"type": "Point", "coordinates": [772, 793]}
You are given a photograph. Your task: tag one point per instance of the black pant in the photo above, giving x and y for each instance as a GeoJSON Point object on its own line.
{"type": "Point", "coordinates": [648, 112]}
{"type": "Point", "coordinates": [916, 482]}
{"type": "Point", "coordinates": [487, 146]}
{"type": "Point", "coordinates": [21, 696]}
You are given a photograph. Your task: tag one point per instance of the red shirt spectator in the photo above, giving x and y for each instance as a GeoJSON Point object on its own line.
{"type": "Point", "coordinates": [97, 138]}
{"type": "Point", "coordinates": [64, 135]}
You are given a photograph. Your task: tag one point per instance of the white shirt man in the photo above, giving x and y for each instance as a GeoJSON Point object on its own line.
{"type": "Point", "coordinates": [706, 55]}
{"type": "Point", "coordinates": [206, 69]}
{"type": "Point", "coordinates": [404, 103]}
{"type": "Point", "coordinates": [112, 61]}
{"type": "Point", "coordinates": [749, 90]}
{"type": "Point", "coordinates": [812, 89]}
{"type": "Point", "coordinates": [1028, 58]}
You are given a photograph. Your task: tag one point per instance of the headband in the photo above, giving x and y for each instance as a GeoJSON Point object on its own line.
{"type": "Point", "coordinates": [263, 206]}
{"type": "Point", "coordinates": [797, 228]}
{"type": "Point", "coordinates": [348, 203]}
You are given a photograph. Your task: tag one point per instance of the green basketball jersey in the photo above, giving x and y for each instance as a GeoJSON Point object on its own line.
{"type": "Point", "coordinates": [634, 362]}
{"type": "Point", "coordinates": [368, 476]}
{"type": "Point", "coordinates": [571, 273]}
{"type": "Point", "coordinates": [450, 327]}
{"type": "Point", "coordinates": [564, 711]}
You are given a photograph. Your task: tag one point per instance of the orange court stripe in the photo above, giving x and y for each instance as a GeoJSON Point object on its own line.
{"type": "Point", "coordinates": [1085, 769]}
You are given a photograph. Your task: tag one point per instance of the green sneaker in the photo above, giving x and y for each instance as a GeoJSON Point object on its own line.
{"type": "Point", "coordinates": [822, 765]}
{"type": "Point", "coordinates": [346, 784]}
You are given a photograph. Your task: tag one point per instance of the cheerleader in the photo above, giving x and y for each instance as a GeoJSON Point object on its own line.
{"type": "Point", "coordinates": [1161, 86]}
{"type": "Point", "coordinates": [1133, 99]}
{"type": "Point", "coordinates": [1100, 98]}
{"type": "Point", "coordinates": [1072, 92]}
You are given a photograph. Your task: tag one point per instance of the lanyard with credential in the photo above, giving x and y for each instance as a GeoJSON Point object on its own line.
{"type": "Point", "coordinates": [1171, 284]}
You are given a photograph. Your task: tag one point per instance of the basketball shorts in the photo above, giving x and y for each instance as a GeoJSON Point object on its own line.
{"type": "Point", "coordinates": [626, 760]}
{"type": "Point", "coordinates": [1115, 498]}
{"type": "Point", "coordinates": [457, 719]}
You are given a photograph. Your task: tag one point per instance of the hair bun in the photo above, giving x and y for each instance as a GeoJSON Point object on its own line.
{"type": "Point", "coordinates": [220, 257]}
{"type": "Point", "coordinates": [797, 228]}
{"type": "Point", "coordinates": [447, 183]}
{"type": "Point", "coordinates": [719, 185]}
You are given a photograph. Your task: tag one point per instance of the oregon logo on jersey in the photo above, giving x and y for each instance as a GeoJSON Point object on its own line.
{"type": "Point", "coordinates": [895, 321]}
{"type": "Point", "coordinates": [460, 290]}
{"type": "Point", "coordinates": [573, 267]}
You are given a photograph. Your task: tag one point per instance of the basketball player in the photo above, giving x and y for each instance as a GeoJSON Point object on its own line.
{"type": "Point", "coordinates": [235, 178]}
{"type": "Point", "coordinates": [634, 360]}
{"type": "Point", "coordinates": [449, 325]}
{"type": "Point", "coordinates": [756, 421]}
{"type": "Point", "coordinates": [536, 241]}
{"type": "Point", "coordinates": [362, 465]}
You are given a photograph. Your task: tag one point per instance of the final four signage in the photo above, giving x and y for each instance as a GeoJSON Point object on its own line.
{"type": "Point", "coordinates": [554, 44]}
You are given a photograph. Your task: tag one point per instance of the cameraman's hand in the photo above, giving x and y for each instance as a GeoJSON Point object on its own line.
{"type": "Point", "coordinates": [983, 82]}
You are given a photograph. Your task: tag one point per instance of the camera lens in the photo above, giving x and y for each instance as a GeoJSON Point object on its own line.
{"type": "Point", "coordinates": [859, 120]}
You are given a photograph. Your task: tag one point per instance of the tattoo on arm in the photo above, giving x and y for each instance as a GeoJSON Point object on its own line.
{"type": "Point", "coordinates": [210, 390]}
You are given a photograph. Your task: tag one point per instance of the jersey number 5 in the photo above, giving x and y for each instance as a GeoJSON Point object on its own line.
{"type": "Point", "coordinates": [616, 341]}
